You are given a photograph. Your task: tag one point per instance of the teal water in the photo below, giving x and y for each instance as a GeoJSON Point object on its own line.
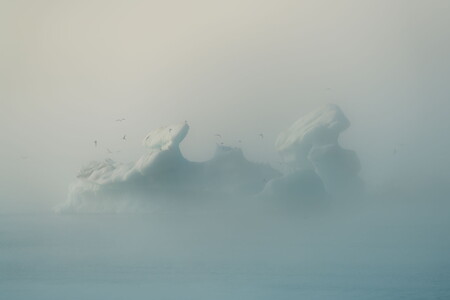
{"type": "Point", "coordinates": [219, 257]}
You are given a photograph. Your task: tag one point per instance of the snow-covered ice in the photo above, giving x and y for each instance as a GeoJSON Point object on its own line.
{"type": "Point", "coordinates": [312, 143]}
{"type": "Point", "coordinates": [163, 177]}
{"type": "Point", "coordinates": [317, 168]}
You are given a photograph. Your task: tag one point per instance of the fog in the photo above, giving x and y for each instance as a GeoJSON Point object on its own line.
{"type": "Point", "coordinates": [70, 69]}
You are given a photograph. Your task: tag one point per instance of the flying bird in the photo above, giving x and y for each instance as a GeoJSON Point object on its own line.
{"type": "Point", "coordinates": [218, 135]}
{"type": "Point", "coordinates": [261, 135]}
{"type": "Point", "coordinates": [120, 120]}
{"type": "Point", "coordinates": [170, 129]}
{"type": "Point", "coordinates": [95, 143]}
{"type": "Point", "coordinates": [124, 137]}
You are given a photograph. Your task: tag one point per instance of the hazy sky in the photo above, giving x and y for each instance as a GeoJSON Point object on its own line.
{"type": "Point", "coordinates": [69, 69]}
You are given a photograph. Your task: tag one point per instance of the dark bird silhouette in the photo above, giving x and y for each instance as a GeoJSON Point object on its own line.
{"type": "Point", "coordinates": [124, 137]}
{"type": "Point", "coordinates": [170, 129]}
{"type": "Point", "coordinates": [120, 120]}
{"type": "Point", "coordinates": [95, 143]}
{"type": "Point", "coordinates": [261, 135]}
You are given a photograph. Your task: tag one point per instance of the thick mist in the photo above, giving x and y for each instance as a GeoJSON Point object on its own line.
{"type": "Point", "coordinates": [71, 71]}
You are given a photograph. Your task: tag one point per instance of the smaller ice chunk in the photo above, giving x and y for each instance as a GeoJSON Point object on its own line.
{"type": "Point", "coordinates": [311, 144]}
{"type": "Point", "coordinates": [318, 128]}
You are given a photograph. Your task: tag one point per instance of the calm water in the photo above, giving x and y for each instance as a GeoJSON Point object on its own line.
{"type": "Point", "coordinates": [204, 256]}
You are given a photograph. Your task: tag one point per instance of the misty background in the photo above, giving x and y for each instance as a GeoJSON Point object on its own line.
{"type": "Point", "coordinates": [69, 69]}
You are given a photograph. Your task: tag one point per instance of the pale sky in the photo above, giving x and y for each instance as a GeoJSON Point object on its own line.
{"type": "Point", "coordinates": [69, 69]}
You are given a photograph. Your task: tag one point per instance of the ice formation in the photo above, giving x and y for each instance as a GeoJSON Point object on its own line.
{"type": "Point", "coordinates": [318, 167]}
{"type": "Point", "coordinates": [163, 177]}
{"type": "Point", "coordinates": [311, 143]}
{"type": "Point", "coordinates": [320, 127]}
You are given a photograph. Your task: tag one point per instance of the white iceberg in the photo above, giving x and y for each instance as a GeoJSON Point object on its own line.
{"type": "Point", "coordinates": [318, 168]}
{"type": "Point", "coordinates": [163, 177]}
{"type": "Point", "coordinates": [312, 143]}
{"type": "Point", "coordinates": [318, 128]}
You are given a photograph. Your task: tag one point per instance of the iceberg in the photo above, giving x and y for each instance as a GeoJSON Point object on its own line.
{"type": "Point", "coordinates": [312, 143]}
{"type": "Point", "coordinates": [318, 128]}
{"type": "Point", "coordinates": [318, 169]}
{"type": "Point", "coordinates": [163, 177]}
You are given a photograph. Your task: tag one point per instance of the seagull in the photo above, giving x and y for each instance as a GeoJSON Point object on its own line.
{"type": "Point", "coordinates": [95, 143]}
{"type": "Point", "coordinates": [120, 120]}
{"type": "Point", "coordinates": [261, 135]}
{"type": "Point", "coordinates": [218, 135]}
{"type": "Point", "coordinates": [124, 137]}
